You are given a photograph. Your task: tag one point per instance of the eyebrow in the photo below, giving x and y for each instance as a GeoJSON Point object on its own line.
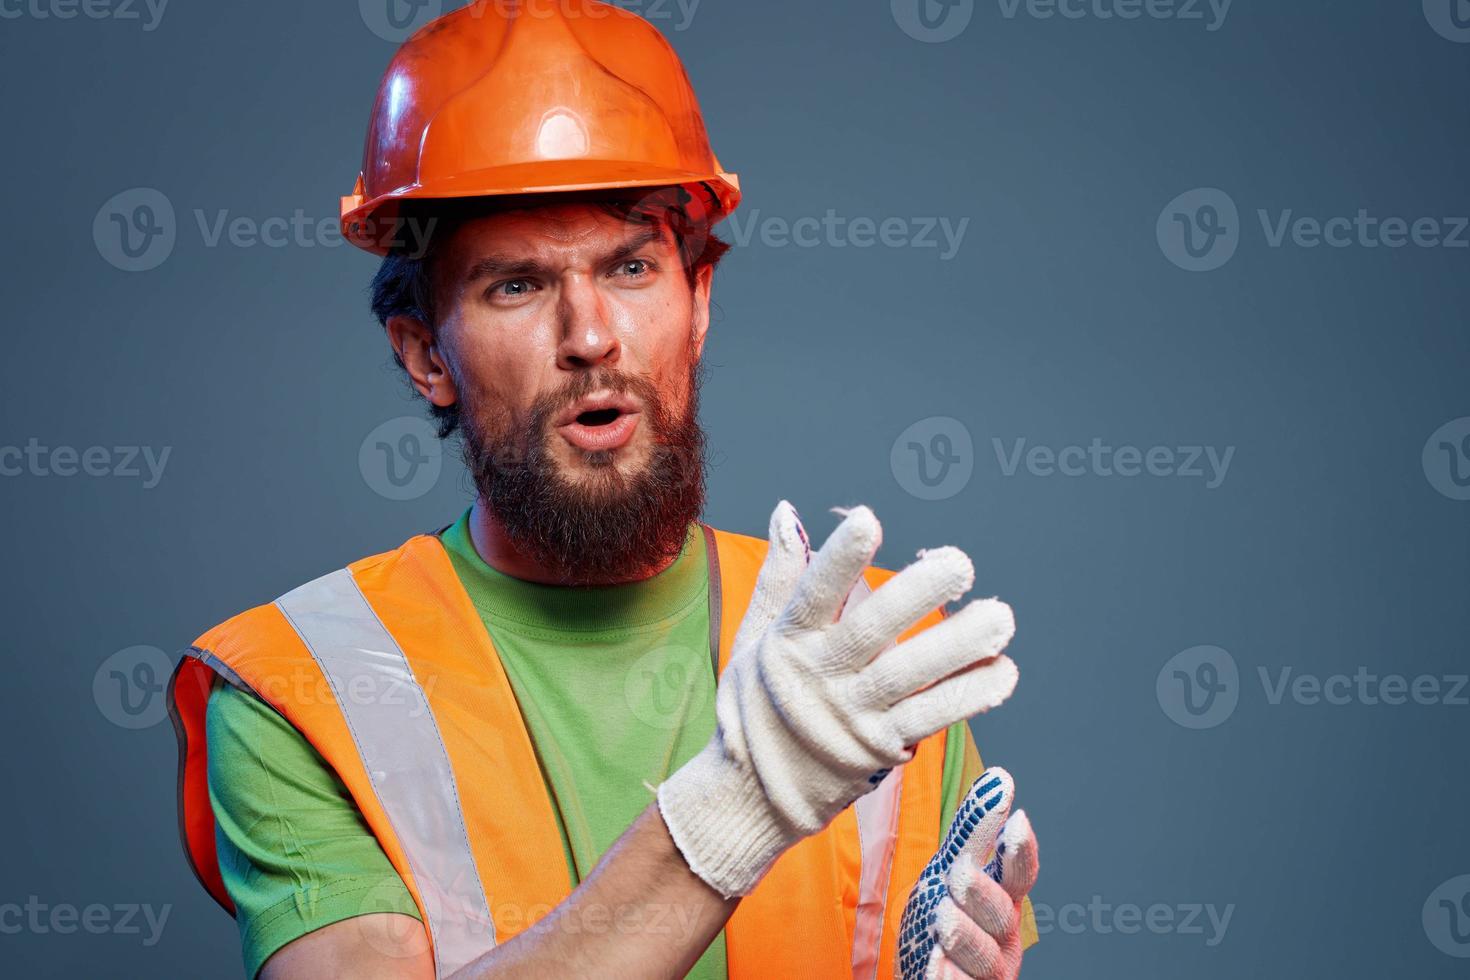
{"type": "Point", "coordinates": [499, 264]}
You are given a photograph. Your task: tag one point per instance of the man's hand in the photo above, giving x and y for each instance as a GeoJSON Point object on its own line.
{"type": "Point", "coordinates": [813, 709]}
{"type": "Point", "coordinates": [963, 919]}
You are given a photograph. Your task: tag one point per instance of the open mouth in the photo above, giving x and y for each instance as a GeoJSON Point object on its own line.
{"type": "Point", "coordinates": [601, 421]}
{"type": "Point", "coordinates": [601, 416]}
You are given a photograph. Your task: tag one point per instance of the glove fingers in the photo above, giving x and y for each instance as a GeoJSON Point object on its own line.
{"type": "Point", "coordinates": [982, 899]}
{"type": "Point", "coordinates": [974, 634]}
{"type": "Point", "coordinates": [834, 569]}
{"type": "Point", "coordinates": [939, 576]}
{"type": "Point", "coordinates": [962, 696]}
{"type": "Point", "coordinates": [941, 967]}
{"type": "Point", "coordinates": [980, 816]}
{"type": "Point", "coordinates": [785, 560]}
{"type": "Point", "coordinates": [964, 943]}
{"type": "Point", "coordinates": [1016, 863]}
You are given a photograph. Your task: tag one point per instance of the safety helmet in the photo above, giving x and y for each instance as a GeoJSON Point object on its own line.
{"type": "Point", "coordinates": [526, 97]}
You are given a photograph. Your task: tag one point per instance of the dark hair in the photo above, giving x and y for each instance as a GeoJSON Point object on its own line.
{"type": "Point", "coordinates": [403, 285]}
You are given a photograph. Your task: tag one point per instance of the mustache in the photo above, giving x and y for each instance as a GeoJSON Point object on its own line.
{"type": "Point", "coordinates": [549, 405]}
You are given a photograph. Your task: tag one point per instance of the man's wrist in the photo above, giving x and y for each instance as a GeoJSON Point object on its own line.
{"type": "Point", "coordinates": [721, 822]}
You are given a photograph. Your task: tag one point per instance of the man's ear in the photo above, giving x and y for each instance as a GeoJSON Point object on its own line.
{"type": "Point", "coordinates": [414, 344]}
{"type": "Point", "coordinates": [703, 281]}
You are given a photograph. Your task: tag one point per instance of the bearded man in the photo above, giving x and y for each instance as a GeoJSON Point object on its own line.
{"type": "Point", "coordinates": [578, 732]}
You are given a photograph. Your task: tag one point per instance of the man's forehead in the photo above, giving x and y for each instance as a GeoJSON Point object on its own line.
{"type": "Point", "coordinates": [557, 228]}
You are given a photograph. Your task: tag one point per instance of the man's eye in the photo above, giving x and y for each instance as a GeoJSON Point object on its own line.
{"type": "Point", "coordinates": [513, 287]}
{"type": "Point", "coordinates": [635, 268]}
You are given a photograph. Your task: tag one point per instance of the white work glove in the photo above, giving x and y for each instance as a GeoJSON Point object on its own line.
{"type": "Point", "coordinates": [963, 920]}
{"type": "Point", "coordinates": [810, 716]}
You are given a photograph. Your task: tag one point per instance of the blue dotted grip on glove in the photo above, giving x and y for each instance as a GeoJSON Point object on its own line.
{"type": "Point", "coordinates": [916, 934]}
{"type": "Point", "coordinates": [879, 776]}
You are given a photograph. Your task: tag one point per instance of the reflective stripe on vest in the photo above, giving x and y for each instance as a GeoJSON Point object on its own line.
{"type": "Point", "coordinates": [399, 744]}
{"type": "Point", "coordinates": [435, 768]}
{"type": "Point", "coordinates": [877, 820]}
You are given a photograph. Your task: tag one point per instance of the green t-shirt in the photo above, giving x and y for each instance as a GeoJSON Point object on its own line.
{"type": "Point", "coordinates": [616, 689]}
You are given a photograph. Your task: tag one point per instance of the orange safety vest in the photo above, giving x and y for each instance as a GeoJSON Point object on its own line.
{"type": "Point", "coordinates": [386, 668]}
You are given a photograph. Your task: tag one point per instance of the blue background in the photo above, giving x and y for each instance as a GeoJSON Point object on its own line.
{"type": "Point", "coordinates": [1326, 548]}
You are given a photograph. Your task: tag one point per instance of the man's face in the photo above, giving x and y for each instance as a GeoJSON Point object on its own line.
{"type": "Point", "coordinates": [572, 339]}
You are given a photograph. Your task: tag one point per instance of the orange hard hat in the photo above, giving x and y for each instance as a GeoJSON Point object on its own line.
{"type": "Point", "coordinates": [529, 97]}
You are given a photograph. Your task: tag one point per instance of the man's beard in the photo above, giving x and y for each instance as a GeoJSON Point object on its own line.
{"type": "Point", "coordinates": [606, 527]}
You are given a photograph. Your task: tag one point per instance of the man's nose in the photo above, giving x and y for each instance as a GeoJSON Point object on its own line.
{"type": "Point", "coordinates": [587, 336]}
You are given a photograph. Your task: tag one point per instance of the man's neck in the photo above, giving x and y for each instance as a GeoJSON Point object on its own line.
{"type": "Point", "coordinates": [500, 553]}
